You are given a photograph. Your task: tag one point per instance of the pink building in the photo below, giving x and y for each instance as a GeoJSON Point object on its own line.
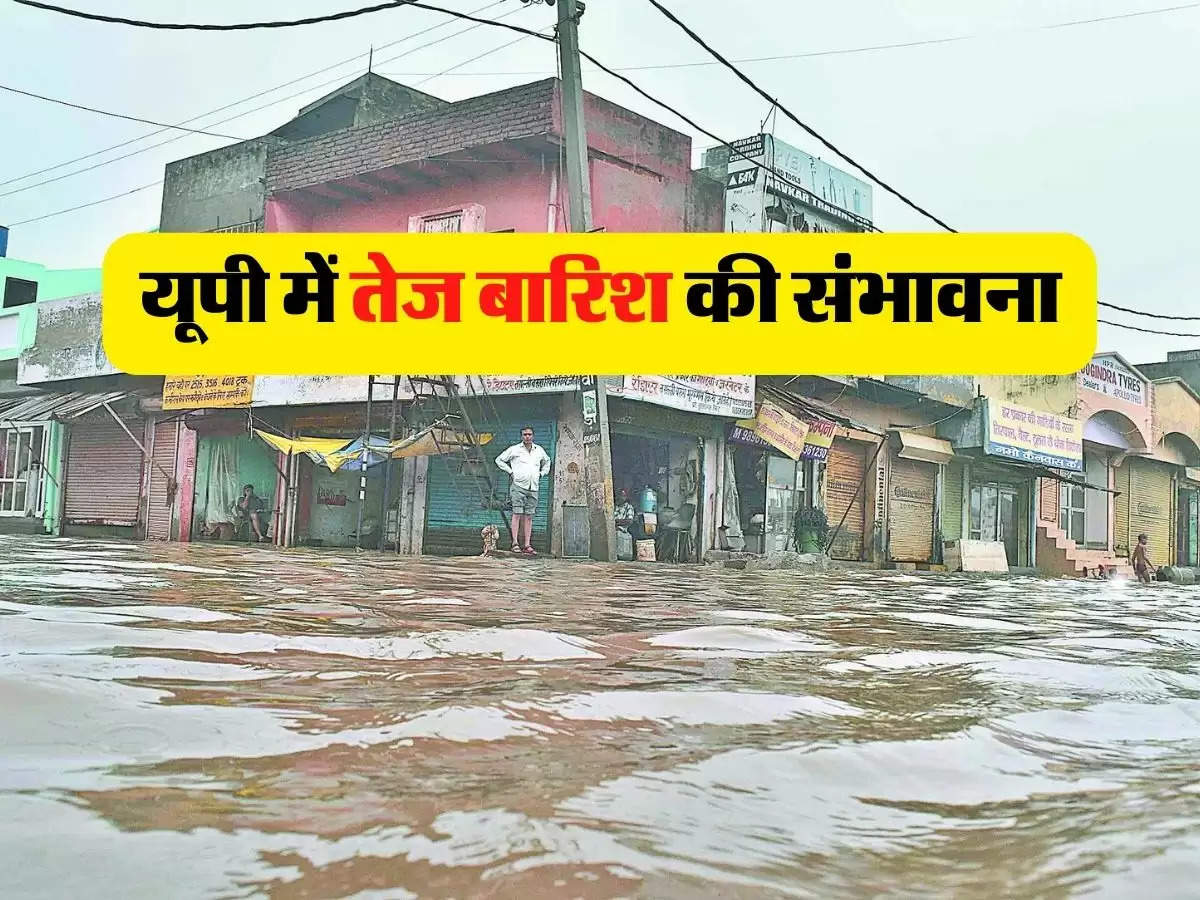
{"type": "Point", "coordinates": [489, 163]}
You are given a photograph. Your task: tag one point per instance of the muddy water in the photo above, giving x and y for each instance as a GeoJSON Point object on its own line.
{"type": "Point", "coordinates": [236, 722]}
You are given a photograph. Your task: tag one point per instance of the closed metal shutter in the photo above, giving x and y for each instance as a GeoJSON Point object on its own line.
{"type": "Point", "coordinates": [454, 498]}
{"type": "Point", "coordinates": [844, 491]}
{"type": "Point", "coordinates": [104, 473]}
{"type": "Point", "coordinates": [952, 501]}
{"type": "Point", "coordinates": [1150, 507]}
{"type": "Point", "coordinates": [161, 499]}
{"type": "Point", "coordinates": [1048, 500]}
{"type": "Point", "coordinates": [910, 509]}
{"type": "Point", "coordinates": [1123, 541]}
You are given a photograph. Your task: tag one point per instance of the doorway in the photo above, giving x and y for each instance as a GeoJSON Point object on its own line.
{"type": "Point", "coordinates": [994, 517]}
{"type": "Point", "coordinates": [1188, 540]}
{"type": "Point", "coordinates": [1095, 524]}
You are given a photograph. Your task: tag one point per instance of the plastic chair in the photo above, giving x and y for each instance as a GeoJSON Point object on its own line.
{"type": "Point", "coordinates": [674, 531]}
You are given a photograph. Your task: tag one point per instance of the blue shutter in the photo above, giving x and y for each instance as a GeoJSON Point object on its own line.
{"type": "Point", "coordinates": [454, 500]}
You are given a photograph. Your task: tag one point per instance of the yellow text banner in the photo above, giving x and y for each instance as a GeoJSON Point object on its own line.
{"type": "Point", "coordinates": [344, 304]}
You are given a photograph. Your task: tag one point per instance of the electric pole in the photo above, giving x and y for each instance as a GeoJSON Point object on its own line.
{"type": "Point", "coordinates": [579, 188]}
{"type": "Point", "coordinates": [597, 445]}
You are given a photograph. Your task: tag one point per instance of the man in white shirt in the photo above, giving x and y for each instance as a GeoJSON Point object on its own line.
{"type": "Point", "coordinates": [526, 464]}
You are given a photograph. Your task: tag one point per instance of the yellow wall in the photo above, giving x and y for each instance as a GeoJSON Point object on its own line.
{"type": "Point", "coordinates": [1176, 410]}
{"type": "Point", "coordinates": [1048, 393]}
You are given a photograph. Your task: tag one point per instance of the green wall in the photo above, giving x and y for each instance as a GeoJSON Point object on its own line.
{"type": "Point", "coordinates": [255, 465]}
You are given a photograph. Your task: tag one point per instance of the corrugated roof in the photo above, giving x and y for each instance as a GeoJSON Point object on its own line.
{"type": "Point", "coordinates": [56, 406]}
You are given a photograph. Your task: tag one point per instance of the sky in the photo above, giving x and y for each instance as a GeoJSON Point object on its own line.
{"type": "Point", "coordinates": [1090, 129]}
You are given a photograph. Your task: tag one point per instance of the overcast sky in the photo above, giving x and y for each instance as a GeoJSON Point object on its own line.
{"type": "Point", "coordinates": [1092, 129]}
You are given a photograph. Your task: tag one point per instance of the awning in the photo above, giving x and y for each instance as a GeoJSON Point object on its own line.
{"type": "Point", "coordinates": [819, 408]}
{"type": "Point", "coordinates": [60, 407]}
{"type": "Point", "coordinates": [923, 448]}
{"type": "Point", "coordinates": [339, 453]}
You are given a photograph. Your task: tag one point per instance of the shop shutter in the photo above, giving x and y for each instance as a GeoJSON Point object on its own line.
{"type": "Point", "coordinates": [1123, 540]}
{"type": "Point", "coordinates": [844, 491]}
{"type": "Point", "coordinates": [454, 510]}
{"type": "Point", "coordinates": [1048, 500]}
{"type": "Point", "coordinates": [161, 500]}
{"type": "Point", "coordinates": [952, 501]}
{"type": "Point", "coordinates": [1150, 507]}
{"type": "Point", "coordinates": [910, 509]}
{"type": "Point", "coordinates": [104, 473]}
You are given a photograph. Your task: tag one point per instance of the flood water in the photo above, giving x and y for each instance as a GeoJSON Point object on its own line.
{"type": "Point", "coordinates": [192, 721]}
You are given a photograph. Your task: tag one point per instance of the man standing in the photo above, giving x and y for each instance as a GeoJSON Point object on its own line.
{"type": "Point", "coordinates": [526, 463]}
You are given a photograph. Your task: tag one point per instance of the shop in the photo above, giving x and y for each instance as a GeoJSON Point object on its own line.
{"type": "Point", "coordinates": [999, 507]}
{"type": "Point", "coordinates": [849, 487]}
{"type": "Point", "coordinates": [772, 485]}
{"type": "Point", "coordinates": [102, 485]}
{"type": "Point", "coordinates": [1144, 504]}
{"type": "Point", "coordinates": [1114, 404]}
{"type": "Point", "coordinates": [465, 491]}
{"type": "Point", "coordinates": [913, 500]}
{"type": "Point", "coordinates": [658, 457]}
{"type": "Point", "coordinates": [1187, 540]}
{"type": "Point", "coordinates": [228, 457]}
{"type": "Point", "coordinates": [26, 451]}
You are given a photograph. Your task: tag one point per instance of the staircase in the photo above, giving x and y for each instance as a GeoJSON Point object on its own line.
{"type": "Point", "coordinates": [1059, 555]}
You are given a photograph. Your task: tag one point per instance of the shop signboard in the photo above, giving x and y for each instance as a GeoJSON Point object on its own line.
{"type": "Point", "coordinates": [807, 194]}
{"type": "Point", "coordinates": [1032, 436]}
{"type": "Point", "coordinates": [780, 429]}
{"type": "Point", "coordinates": [817, 441]}
{"type": "Point", "coordinates": [1107, 383]}
{"type": "Point", "coordinates": [207, 392]}
{"type": "Point", "coordinates": [731, 396]}
{"type": "Point", "coordinates": [517, 384]}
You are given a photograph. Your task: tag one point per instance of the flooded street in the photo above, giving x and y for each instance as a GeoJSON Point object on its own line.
{"type": "Point", "coordinates": [239, 722]}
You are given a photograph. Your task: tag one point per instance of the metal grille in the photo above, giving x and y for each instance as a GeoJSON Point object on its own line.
{"type": "Point", "coordinates": [22, 454]}
{"type": "Point", "coordinates": [104, 473]}
{"type": "Point", "coordinates": [843, 491]}
{"type": "Point", "coordinates": [240, 228]}
{"type": "Point", "coordinates": [442, 224]}
{"type": "Point", "coordinates": [910, 510]}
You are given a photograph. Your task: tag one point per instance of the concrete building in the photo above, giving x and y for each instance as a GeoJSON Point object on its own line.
{"type": "Point", "coordinates": [223, 189]}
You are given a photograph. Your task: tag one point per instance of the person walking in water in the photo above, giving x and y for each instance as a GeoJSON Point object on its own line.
{"type": "Point", "coordinates": [526, 463]}
{"type": "Point", "coordinates": [1141, 561]}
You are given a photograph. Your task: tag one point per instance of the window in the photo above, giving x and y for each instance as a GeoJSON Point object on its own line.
{"type": "Point", "coordinates": [19, 292]}
{"type": "Point", "coordinates": [240, 228]}
{"type": "Point", "coordinates": [21, 461]}
{"type": "Point", "coordinates": [445, 223]}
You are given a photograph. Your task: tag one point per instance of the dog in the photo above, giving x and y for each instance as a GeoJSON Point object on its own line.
{"type": "Point", "coordinates": [491, 537]}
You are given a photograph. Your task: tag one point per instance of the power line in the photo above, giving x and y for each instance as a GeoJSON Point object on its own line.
{"type": "Point", "coordinates": [116, 115]}
{"type": "Point", "coordinates": [1150, 315]}
{"type": "Point", "coordinates": [845, 51]}
{"type": "Point", "coordinates": [194, 26]}
{"type": "Point", "coordinates": [787, 112]}
{"type": "Point", "coordinates": [247, 112]}
{"type": "Point", "coordinates": [60, 212]}
{"type": "Point", "coordinates": [262, 93]}
{"type": "Point", "coordinates": [1148, 330]}
{"type": "Point", "coordinates": [543, 37]}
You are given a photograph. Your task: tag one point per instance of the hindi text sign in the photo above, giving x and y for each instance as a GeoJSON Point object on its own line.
{"type": "Point", "coordinates": [1032, 436]}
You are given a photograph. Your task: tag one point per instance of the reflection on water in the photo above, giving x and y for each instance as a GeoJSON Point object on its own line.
{"type": "Point", "coordinates": [236, 722]}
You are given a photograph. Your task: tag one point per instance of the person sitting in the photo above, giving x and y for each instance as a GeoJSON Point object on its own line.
{"type": "Point", "coordinates": [249, 507]}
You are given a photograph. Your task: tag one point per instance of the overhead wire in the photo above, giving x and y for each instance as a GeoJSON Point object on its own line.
{"type": "Point", "coordinates": [1183, 334]}
{"type": "Point", "coordinates": [1150, 315]}
{"type": "Point", "coordinates": [808, 129]}
{"type": "Point", "coordinates": [275, 102]}
{"type": "Point", "coordinates": [116, 115]}
{"type": "Point", "coordinates": [216, 26]}
{"type": "Point", "coordinates": [255, 96]}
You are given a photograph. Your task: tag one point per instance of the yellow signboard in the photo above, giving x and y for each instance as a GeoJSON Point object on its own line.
{"type": "Point", "coordinates": [207, 391]}
{"type": "Point", "coordinates": [780, 429]}
{"type": "Point", "coordinates": [341, 304]}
